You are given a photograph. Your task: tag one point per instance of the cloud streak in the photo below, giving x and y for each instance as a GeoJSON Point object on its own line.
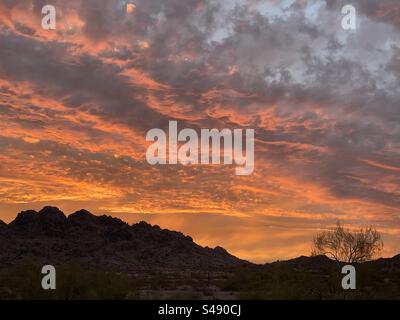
{"type": "Point", "coordinates": [76, 103]}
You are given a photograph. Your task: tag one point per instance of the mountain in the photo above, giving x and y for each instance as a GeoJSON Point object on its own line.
{"type": "Point", "coordinates": [48, 236]}
{"type": "Point", "coordinates": [314, 263]}
{"type": "Point", "coordinates": [321, 264]}
{"type": "Point", "coordinates": [104, 257]}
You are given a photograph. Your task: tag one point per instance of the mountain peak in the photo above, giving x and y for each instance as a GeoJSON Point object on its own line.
{"type": "Point", "coordinates": [82, 212]}
{"type": "Point", "coordinates": [52, 212]}
{"type": "Point", "coordinates": [220, 250]}
{"type": "Point", "coordinates": [105, 240]}
{"type": "Point", "coordinates": [143, 223]}
{"type": "Point", "coordinates": [81, 216]}
{"type": "Point", "coordinates": [49, 221]}
{"type": "Point", "coordinates": [25, 217]}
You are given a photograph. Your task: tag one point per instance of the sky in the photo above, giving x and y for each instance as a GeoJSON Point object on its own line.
{"type": "Point", "coordinates": [324, 102]}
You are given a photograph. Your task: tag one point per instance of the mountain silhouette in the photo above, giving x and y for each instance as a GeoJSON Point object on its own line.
{"type": "Point", "coordinates": [49, 236]}
{"type": "Point", "coordinates": [105, 257]}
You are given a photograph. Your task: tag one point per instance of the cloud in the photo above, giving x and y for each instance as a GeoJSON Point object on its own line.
{"type": "Point", "coordinates": [75, 104]}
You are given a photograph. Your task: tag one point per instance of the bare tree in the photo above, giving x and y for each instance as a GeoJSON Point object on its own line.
{"type": "Point", "coordinates": [348, 246]}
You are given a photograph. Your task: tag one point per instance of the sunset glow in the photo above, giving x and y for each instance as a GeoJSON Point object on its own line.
{"type": "Point", "coordinates": [76, 103]}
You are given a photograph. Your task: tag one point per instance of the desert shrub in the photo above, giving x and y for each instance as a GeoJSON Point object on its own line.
{"type": "Point", "coordinates": [74, 281]}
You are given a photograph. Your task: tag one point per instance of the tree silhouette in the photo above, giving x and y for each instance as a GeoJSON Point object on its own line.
{"type": "Point", "coordinates": [344, 245]}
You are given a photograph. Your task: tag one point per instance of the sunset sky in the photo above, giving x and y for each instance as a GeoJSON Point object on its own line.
{"type": "Point", "coordinates": [76, 103]}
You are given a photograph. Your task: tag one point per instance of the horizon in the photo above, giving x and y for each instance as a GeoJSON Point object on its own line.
{"type": "Point", "coordinates": [139, 219]}
{"type": "Point", "coordinates": [77, 101]}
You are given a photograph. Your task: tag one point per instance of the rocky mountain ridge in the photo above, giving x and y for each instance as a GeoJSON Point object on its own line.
{"type": "Point", "coordinates": [52, 237]}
